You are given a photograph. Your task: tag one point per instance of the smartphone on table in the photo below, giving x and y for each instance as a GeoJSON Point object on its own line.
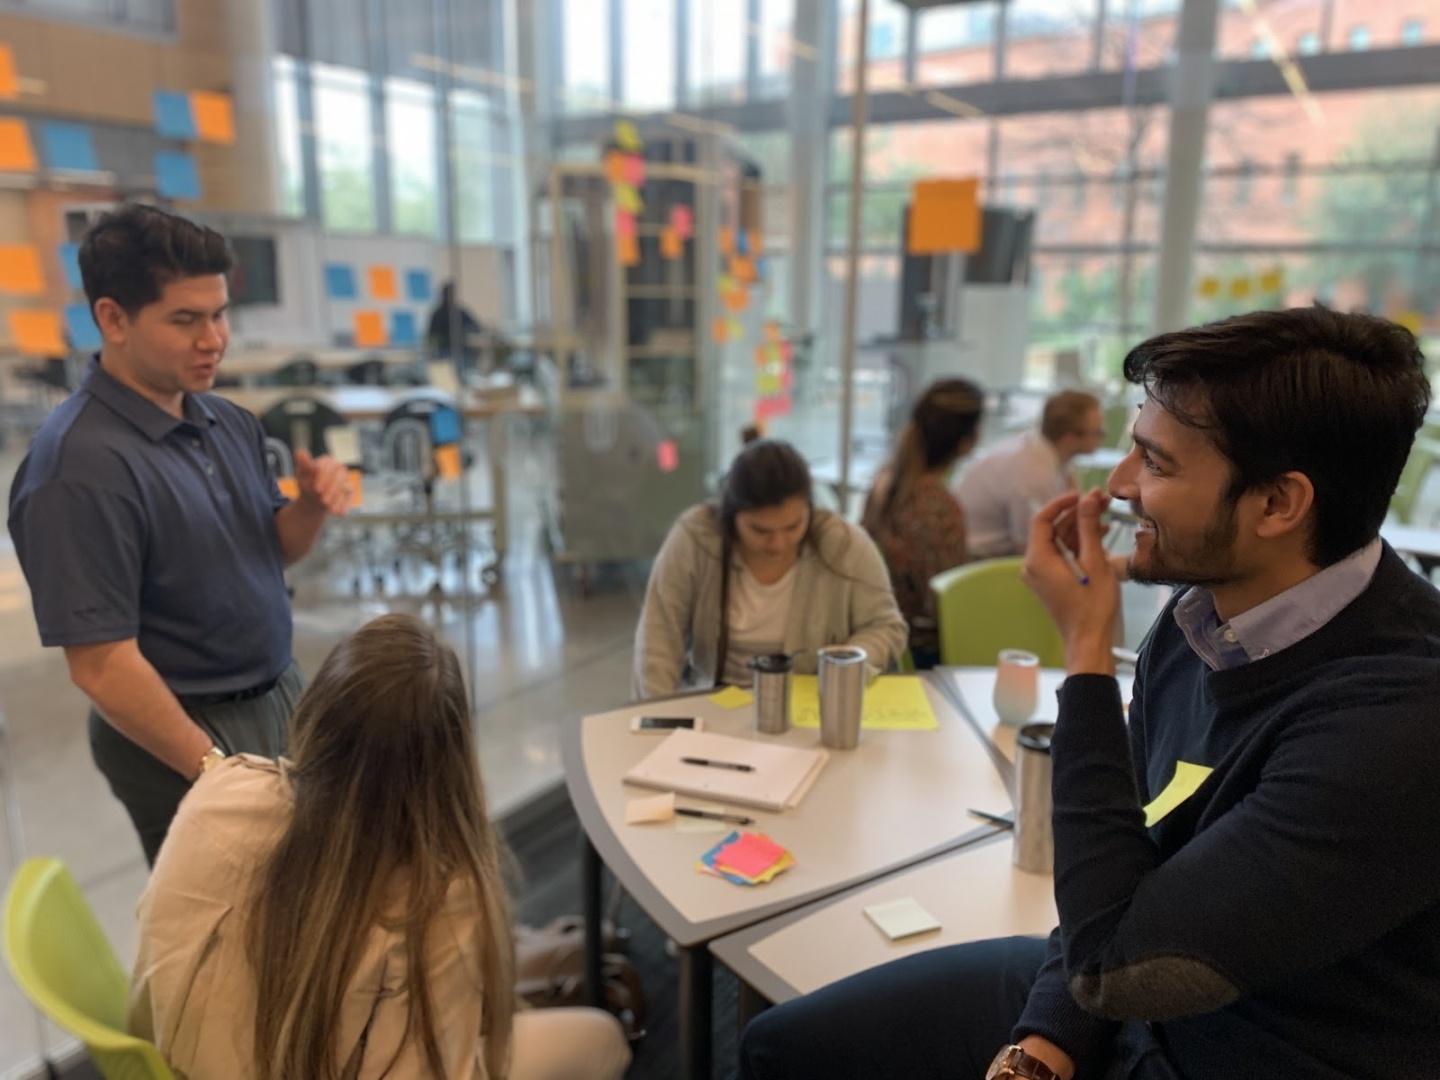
{"type": "Point", "coordinates": [658, 725]}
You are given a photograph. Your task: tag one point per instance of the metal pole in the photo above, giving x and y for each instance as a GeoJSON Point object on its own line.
{"type": "Point", "coordinates": [852, 254]}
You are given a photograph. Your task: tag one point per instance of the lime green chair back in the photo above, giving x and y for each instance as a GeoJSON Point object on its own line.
{"type": "Point", "coordinates": [1423, 456]}
{"type": "Point", "coordinates": [1116, 418]}
{"type": "Point", "coordinates": [983, 607]}
{"type": "Point", "coordinates": [61, 961]}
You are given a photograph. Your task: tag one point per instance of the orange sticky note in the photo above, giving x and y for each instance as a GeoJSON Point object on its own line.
{"type": "Point", "coordinates": [369, 329]}
{"type": "Point", "coordinates": [9, 81]}
{"type": "Point", "coordinates": [289, 486]}
{"type": "Point", "coordinates": [357, 487]}
{"type": "Point", "coordinates": [17, 152]}
{"type": "Point", "coordinates": [382, 283]}
{"type": "Point", "coordinates": [727, 241]}
{"type": "Point", "coordinates": [20, 272]}
{"type": "Point", "coordinates": [720, 331]}
{"type": "Point", "coordinates": [944, 216]}
{"type": "Point", "coordinates": [37, 332]}
{"type": "Point", "coordinates": [742, 268]}
{"type": "Point", "coordinates": [671, 246]}
{"type": "Point", "coordinates": [447, 461]}
{"type": "Point", "coordinates": [214, 116]}
{"type": "Point", "coordinates": [737, 299]}
{"type": "Point", "coordinates": [615, 167]}
{"type": "Point", "coordinates": [628, 248]}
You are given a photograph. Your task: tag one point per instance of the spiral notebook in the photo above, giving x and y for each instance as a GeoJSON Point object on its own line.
{"type": "Point", "coordinates": [779, 778]}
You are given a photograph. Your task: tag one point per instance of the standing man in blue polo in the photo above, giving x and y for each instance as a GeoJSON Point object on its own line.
{"type": "Point", "coordinates": [152, 536]}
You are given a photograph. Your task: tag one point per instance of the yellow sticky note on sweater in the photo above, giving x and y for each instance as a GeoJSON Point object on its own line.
{"type": "Point", "coordinates": [1186, 781]}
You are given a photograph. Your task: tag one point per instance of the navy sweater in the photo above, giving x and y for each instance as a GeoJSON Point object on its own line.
{"type": "Point", "coordinates": [1283, 921]}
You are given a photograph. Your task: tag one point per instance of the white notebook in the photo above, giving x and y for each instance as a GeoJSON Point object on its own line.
{"type": "Point", "coordinates": [779, 777]}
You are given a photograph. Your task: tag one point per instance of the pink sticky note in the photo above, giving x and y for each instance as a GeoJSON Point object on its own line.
{"type": "Point", "coordinates": [682, 220]}
{"type": "Point", "coordinates": [750, 856]}
{"type": "Point", "coordinates": [634, 170]}
{"type": "Point", "coordinates": [624, 223]}
{"type": "Point", "coordinates": [667, 455]}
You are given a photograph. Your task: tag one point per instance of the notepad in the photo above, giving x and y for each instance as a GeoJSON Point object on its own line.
{"type": "Point", "coordinates": [898, 919]}
{"type": "Point", "coordinates": [778, 779]}
{"type": "Point", "coordinates": [892, 703]}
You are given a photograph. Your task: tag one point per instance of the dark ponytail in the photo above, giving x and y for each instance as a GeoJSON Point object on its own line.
{"type": "Point", "coordinates": [944, 419]}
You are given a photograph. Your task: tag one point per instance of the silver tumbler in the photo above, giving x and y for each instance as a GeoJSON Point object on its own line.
{"type": "Point", "coordinates": [1034, 840]}
{"type": "Point", "coordinates": [772, 693]}
{"type": "Point", "coordinates": [842, 679]}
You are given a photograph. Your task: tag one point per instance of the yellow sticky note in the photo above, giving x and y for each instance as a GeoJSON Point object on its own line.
{"type": "Point", "coordinates": [214, 116]}
{"type": "Point", "coordinates": [1240, 288]}
{"type": "Point", "coordinates": [20, 272]}
{"type": "Point", "coordinates": [9, 81]}
{"type": "Point", "coordinates": [37, 333]}
{"type": "Point", "coordinates": [628, 199]}
{"type": "Point", "coordinates": [289, 486]}
{"type": "Point", "coordinates": [732, 697]}
{"type": "Point", "coordinates": [1188, 778]}
{"type": "Point", "coordinates": [1272, 281]}
{"type": "Point", "coordinates": [382, 283]}
{"type": "Point", "coordinates": [1411, 320]}
{"type": "Point", "coordinates": [447, 461]}
{"type": "Point", "coordinates": [626, 135]}
{"type": "Point", "coordinates": [369, 329]}
{"type": "Point", "coordinates": [944, 216]}
{"type": "Point", "coordinates": [17, 152]}
{"type": "Point", "coordinates": [1209, 287]}
{"type": "Point", "coordinates": [892, 703]}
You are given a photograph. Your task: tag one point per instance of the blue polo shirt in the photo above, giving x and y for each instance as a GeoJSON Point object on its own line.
{"type": "Point", "coordinates": [130, 523]}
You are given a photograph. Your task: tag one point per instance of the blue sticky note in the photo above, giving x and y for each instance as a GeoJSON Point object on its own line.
{"type": "Point", "coordinates": [340, 281]}
{"type": "Point", "coordinates": [68, 146]}
{"type": "Point", "coordinates": [70, 262]}
{"type": "Point", "coordinates": [174, 118]}
{"type": "Point", "coordinates": [84, 334]}
{"type": "Point", "coordinates": [742, 242]}
{"type": "Point", "coordinates": [176, 175]}
{"type": "Point", "coordinates": [402, 328]}
{"type": "Point", "coordinates": [417, 285]}
{"type": "Point", "coordinates": [444, 427]}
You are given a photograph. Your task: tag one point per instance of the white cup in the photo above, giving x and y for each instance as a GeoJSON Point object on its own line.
{"type": "Point", "coordinates": [1017, 686]}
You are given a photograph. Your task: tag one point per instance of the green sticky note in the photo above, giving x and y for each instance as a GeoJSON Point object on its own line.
{"type": "Point", "coordinates": [1186, 781]}
{"type": "Point", "coordinates": [892, 703]}
{"type": "Point", "coordinates": [901, 918]}
{"type": "Point", "coordinates": [732, 697]}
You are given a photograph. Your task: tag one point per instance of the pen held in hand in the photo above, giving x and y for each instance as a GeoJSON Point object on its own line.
{"type": "Point", "coordinates": [1072, 562]}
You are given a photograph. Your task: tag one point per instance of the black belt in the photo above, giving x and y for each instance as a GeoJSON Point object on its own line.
{"type": "Point", "coordinates": [227, 696]}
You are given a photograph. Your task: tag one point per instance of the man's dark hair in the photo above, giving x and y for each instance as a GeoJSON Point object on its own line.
{"type": "Point", "coordinates": [1336, 397]}
{"type": "Point", "coordinates": [132, 253]}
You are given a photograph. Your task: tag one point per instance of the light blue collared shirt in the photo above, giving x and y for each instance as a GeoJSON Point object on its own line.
{"type": "Point", "coordinates": [1279, 622]}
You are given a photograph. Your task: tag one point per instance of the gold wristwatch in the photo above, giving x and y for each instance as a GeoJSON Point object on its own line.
{"type": "Point", "coordinates": [211, 758]}
{"type": "Point", "coordinates": [1012, 1061]}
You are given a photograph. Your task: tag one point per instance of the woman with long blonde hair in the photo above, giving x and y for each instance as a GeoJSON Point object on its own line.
{"type": "Point", "coordinates": [342, 915]}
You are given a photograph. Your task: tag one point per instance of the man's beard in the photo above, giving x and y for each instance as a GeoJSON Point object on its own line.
{"type": "Point", "coordinates": [1209, 562]}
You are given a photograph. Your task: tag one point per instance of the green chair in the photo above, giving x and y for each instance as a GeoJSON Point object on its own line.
{"type": "Point", "coordinates": [984, 607]}
{"type": "Point", "coordinates": [1423, 456]}
{"type": "Point", "coordinates": [1116, 419]}
{"type": "Point", "coordinates": [61, 961]}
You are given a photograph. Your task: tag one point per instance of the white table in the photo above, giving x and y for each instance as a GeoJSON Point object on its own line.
{"type": "Point", "coordinates": [899, 798]}
{"type": "Point", "coordinates": [1422, 543]}
{"type": "Point", "coordinates": [250, 365]}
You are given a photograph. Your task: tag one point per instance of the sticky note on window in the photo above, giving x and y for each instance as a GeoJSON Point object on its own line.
{"type": "Point", "coordinates": [727, 241]}
{"type": "Point", "coordinates": [80, 325]}
{"type": "Point", "coordinates": [70, 264]}
{"type": "Point", "coordinates": [37, 332]}
{"type": "Point", "coordinates": [667, 455]}
{"type": "Point", "coordinates": [20, 273]}
{"type": "Point", "coordinates": [626, 135]}
{"type": "Point", "coordinates": [1186, 781]}
{"type": "Point", "coordinates": [444, 427]}
{"type": "Point", "coordinates": [173, 116]}
{"type": "Point", "coordinates": [447, 461]}
{"type": "Point", "coordinates": [682, 220]}
{"type": "Point", "coordinates": [615, 166]}
{"type": "Point", "coordinates": [1209, 287]}
{"type": "Point", "coordinates": [898, 919]}
{"type": "Point", "coordinates": [214, 116]}
{"type": "Point", "coordinates": [9, 79]}
{"type": "Point", "coordinates": [176, 176]}
{"type": "Point", "coordinates": [627, 248]}
{"type": "Point", "coordinates": [624, 223]}
{"type": "Point", "coordinates": [339, 281]}
{"type": "Point", "coordinates": [628, 199]}
{"type": "Point", "coordinates": [343, 444]}
{"type": "Point", "coordinates": [382, 283]}
{"type": "Point", "coordinates": [289, 487]}
{"type": "Point", "coordinates": [403, 330]}
{"type": "Point", "coordinates": [68, 146]}
{"type": "Point", "coordinates": [17, 153]}
{"type": "Point", "coordinates": [634, 166]}
{"type": "Point", "coordinates": [357, 488]}
{"type": "Point", "coordinates": [417, 285]}
{"type": "Point", "coordinates": [732, 697]}
{"type": "Point", "coordinates": [742, 268]}
{"type": "Point", "coordinates": [671, 245]}
{"type": "Point", "coordinates": [369, 329]}
{"type": "Point", "coordinates": [1240, 288]}
{"type": "Point", "coordinates": [944, 216]}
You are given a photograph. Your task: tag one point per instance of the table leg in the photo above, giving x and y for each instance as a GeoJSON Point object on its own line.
{"type": "Point", "coordinates": [590, 876]}
{"type": "Point", "coordinates": [751, 1004]}
{"type": "Point", "coordinates": [695, 1012]}
{"type": "Point", "coordinates": [498, 491]}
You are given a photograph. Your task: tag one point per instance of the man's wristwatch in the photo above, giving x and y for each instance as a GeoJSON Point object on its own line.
{"type": "Point", "coordinates": [1012, 1061]}
{"type": "Point", "coordinates": [211, 758]}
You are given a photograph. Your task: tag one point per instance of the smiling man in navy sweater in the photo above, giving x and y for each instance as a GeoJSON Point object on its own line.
{"type": "Point", "coordinates": [1283, 919]}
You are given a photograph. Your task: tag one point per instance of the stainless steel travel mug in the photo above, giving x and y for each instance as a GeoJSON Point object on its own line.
{"type": "Point", "coordinates": [772, 693]}
{"type": "Point", "coordinates": [842, 678]}
{"type": "Point", "coordinates": [1034, 840]}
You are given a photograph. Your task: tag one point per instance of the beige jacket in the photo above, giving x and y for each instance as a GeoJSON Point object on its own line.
{"type": "Point", "coordinates": [842, 596]}
{"type": "Point", "coordinates": [193, 994]}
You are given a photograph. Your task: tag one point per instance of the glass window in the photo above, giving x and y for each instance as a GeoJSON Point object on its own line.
{"type": "Point", "coordinates": [1259, 49]}
{"type": "Point", "coordinates": [1412, 32]}
{"type": "Point", "coordinates": [1290, 179]}
{"type": "Point", "coordinates": [1262, 28]}
{"type": "Point", "coordinates": [345, 133]}
{"type": "Point", "coordinates": [1359, 39]}
{"type": "Point", "coordinates": [1146, 39]}
{"type": "Point", "coordinates": [586, 86]}
{"type": "Point", "coordinates": [410, 129]}
{"type": "Point", "coordinates": [885, 43]}
{"type": "Point", "coordinates": [472, 128]}
{"type": "Point", "coordinates": [1048, 37]}
{"type": "Point", "coordinates": [956, 45]}
{"type": "Point", "coordinates": [649, 49]}
{"type": "Point", "coordinates": [716, 51]}
{"type": "Point", "coordinates": [287, 136]}
{"type": "Point", "coordinates": [1244, 173]}
{"type": "Point", "coordinates": [1309, 43]}
{"type": "Point", "coordinates": [777, 20]}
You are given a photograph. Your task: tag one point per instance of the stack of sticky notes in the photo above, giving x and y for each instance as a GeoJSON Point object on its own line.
{"type": "Point", "coordinates": [745, 859]}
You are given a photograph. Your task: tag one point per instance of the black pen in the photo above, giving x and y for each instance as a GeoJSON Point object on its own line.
{"type": "Point", "coordinates": [718, 764]}
{"type": "Point", "coordinates": [994, 819]}
{"type": "Point", "coordinates": [734, 819]}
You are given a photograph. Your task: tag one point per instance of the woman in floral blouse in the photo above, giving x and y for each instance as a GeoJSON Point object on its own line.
{"type": "Point", "coordinates": [915, 520]}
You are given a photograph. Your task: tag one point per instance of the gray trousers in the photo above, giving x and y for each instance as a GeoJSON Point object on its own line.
{"type": "Point", "coordinates": [151, 791]}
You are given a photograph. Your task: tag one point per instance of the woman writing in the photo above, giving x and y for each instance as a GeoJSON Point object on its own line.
{"type": "Point", "coordinates": [761, 571]}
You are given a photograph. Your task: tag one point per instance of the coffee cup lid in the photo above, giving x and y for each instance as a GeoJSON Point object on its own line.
{"type": "Point", "coordinates": [773, 663]}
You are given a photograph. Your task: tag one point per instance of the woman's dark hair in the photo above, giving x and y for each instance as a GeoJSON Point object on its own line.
{"type": "Point", "coordinates": [132, 253]}
{"type": "Point", "coordinates": [765, 473]}
{"type": "Point", "coordinates": [942, 422]}
{"type": "Point", "coordinates": [1336, 397]}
